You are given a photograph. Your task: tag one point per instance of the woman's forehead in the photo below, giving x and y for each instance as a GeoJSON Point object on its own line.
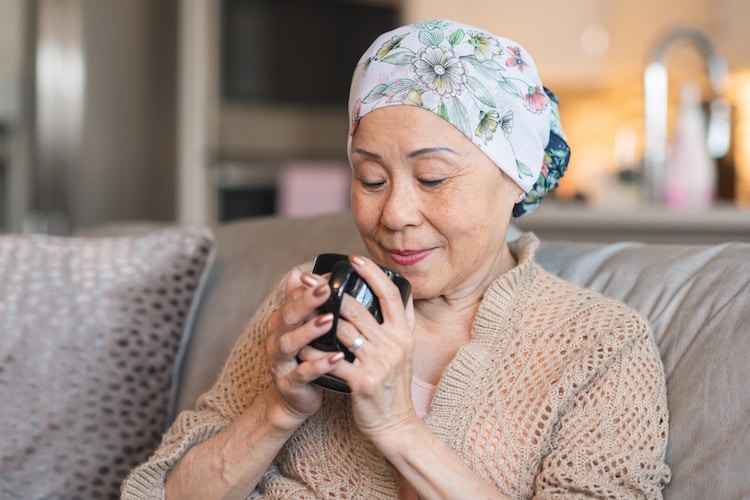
{"type": "Point", "coordinates": [408, 124]}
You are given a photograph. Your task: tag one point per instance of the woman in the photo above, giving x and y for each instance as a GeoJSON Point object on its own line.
{"type": "Point", "coordinates": [497, 380]}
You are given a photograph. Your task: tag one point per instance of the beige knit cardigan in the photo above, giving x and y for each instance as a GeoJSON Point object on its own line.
{"type": "Point", "coordinates": [560, 393]}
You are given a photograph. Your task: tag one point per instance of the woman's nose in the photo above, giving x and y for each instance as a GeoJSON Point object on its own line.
{"type": "Point", "coordinates": [401, 208]}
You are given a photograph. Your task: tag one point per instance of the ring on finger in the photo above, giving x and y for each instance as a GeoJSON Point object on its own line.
{"type": "Point", "coordinates": [358, 342]}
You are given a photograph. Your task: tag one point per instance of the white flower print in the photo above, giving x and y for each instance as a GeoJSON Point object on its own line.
{"type": "Point", "coordinates": [440, 70]}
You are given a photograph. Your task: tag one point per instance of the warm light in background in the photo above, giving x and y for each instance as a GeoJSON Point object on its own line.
{"type": "Point", "coordinates": [605, 132]}
{"type": "Point", "coordinates": [739, 95]}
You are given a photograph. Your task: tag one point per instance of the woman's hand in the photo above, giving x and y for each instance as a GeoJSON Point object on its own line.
{"type": "Point", "coordinates": [380, 376]}
{"type": "Point", "coordinates": [292, 364]}
{"type": "Point", "coordinates": [231, 463]}
{"type": "Point", "coordinates": [380, 381]}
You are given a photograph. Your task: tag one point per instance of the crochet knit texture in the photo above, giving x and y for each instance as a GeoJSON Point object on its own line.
{"type": "Point", "coordinates": [560, 393]}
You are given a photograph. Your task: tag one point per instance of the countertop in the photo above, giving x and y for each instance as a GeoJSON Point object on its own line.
{"type": "Point", "coordinates": [717, 224]}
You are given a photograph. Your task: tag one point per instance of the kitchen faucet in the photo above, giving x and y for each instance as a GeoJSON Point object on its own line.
{"type": "Point", "coordinates": [656, 107]}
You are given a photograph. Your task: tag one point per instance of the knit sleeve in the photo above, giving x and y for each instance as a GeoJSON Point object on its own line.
{"type": "Point", "coordinates": [612, 441]}
{"type": "Point", "coordinates": [243, 377]}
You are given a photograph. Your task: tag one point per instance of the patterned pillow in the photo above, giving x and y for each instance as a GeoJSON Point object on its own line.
{"type": "Point", "coordinates": [92, 333]}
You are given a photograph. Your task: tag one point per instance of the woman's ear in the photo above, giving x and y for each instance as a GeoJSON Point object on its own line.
{"type": "Point", "coordinates": [515, 192]}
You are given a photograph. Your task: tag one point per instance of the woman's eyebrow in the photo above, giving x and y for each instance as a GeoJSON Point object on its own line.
{"type": "Point", "coordinates": [366, 153]}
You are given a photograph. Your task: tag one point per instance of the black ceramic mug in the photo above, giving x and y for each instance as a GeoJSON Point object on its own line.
{"type": "Point", "coordinates": [344, 279]}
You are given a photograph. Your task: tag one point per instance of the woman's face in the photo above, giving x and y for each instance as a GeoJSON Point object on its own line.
{"type": "Point", "coordinates": [428, 203]}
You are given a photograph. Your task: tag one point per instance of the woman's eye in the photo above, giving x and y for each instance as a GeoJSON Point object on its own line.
{"type": "Point", "coordinates": [431, 182]}
{"type": "Point", "coordinates": [372, 184]}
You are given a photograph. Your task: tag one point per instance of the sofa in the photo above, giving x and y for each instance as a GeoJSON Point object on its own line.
{"type": "Point", "coordinates": [105, 336]}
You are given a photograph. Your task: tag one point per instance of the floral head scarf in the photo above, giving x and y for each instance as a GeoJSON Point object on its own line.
{"type": "Point", "coordinates": [486, 86]}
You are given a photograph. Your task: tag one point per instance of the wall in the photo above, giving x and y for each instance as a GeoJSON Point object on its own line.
{"type": "Point", "coordinates": [556, 32]}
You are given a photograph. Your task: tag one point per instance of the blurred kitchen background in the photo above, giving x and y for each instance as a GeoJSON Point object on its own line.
{"type": "Point", "coordinates": [162, 111]}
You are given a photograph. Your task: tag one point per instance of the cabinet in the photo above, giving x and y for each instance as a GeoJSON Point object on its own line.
{"type": "Point", "coordinates": [592, 53]}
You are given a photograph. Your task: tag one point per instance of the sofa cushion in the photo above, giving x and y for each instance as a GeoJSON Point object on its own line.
{"type": "Point", "coordinates": [697, 299]}
{"type": "Point", "coordinates": [92, 333]}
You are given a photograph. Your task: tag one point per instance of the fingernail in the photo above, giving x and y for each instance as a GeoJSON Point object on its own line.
{"type": "Point", "coordinates": [357, 260]}
{"type": "Point", "coordinates": [321, 290]}
{"type": "Point", "coordinates": [324, 319]}
{"type": "Point", "coordinates": [336, 357]}
{"type": "Point", "coordinates": [308, 280]}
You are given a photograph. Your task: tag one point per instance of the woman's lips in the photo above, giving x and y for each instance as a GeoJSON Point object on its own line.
{"type": "Point", "coordinates": [409, 257]}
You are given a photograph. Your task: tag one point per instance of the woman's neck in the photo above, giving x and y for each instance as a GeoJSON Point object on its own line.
{"type": "Point", "coordinates": [444, 323]}
{"type": "Point", "coordinates": [442, 327]}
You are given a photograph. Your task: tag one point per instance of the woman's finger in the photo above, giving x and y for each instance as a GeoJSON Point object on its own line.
{"type": "Point", "coordinates": [292, 342]}
{"type": "Point", "coordinates": [352, 337]}
{"type": "Point", "coordinates": [293, 281]}
{"type": "Point", "coordinates": [301, 303]}
{"type": "Point", "coordinates": [386, 290]}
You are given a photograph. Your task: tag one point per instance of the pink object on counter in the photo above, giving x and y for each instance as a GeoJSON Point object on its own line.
{"type": "Point", "coordinates": [306, 188]}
